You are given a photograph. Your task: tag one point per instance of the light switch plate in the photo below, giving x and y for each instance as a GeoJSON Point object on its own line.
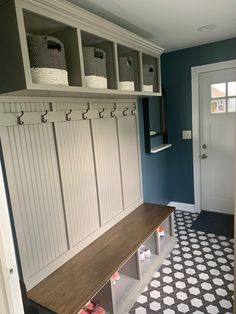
{"type": "Point", "coordinates": [187, 134]}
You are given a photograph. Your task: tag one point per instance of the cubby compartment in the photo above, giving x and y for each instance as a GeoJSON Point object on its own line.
{"type": "Point", "coordinates": [151, 74]}
{"type": "Point", "coordinates": [95, 50]}
{"type": "Point", "coordinates": [129, 276]}
{"type": "Point", "coordinates": [168, 233]}
{"type": "Point", "coordinates": [147, 259]}
{"type": "Point", "coordinates": [104, 298]}
{"type": "Point", "coordinates": [55, 38]}
{"type": "Point", "coordinates": [129, 68]}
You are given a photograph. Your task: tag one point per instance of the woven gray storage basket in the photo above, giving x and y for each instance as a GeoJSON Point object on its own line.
{"type": "Point", "coordinates": [46, 52]}
{"type": "Point", "coordinates": [126, 73]}
{"type": "Point", "coordinates": [94, 61]}
{"type": "Point", "coordinates": [148, 74]}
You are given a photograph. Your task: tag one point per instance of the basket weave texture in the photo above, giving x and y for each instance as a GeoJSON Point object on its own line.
{"type": "Point", "coordinates": [46, 52]}
{"type": "Point", "coordinates": [126, 73]}
{"type": "Point", "coordinates": [94, 61]}
{"type": "Point", "coordinates": [148, 74]}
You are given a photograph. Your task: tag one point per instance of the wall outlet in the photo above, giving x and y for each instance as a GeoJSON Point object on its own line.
{"type": "Point", "coordinates": [187, 134]}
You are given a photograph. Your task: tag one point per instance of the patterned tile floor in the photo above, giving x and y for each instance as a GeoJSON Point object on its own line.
{"type": "Point", "coordinates": [197, 277]}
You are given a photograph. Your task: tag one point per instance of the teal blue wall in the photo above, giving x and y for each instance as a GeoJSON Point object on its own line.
{"type": "Point", "coordinates": [154, 166]}
{"type": "Point", "coordinates": [169, 175]}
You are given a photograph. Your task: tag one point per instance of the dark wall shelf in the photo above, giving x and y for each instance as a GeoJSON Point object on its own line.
{"type": "Point", "coordinates": [160, 129]}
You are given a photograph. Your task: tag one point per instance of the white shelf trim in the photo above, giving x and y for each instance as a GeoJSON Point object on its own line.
{"type": "Point", "coordinates": [160, 148]}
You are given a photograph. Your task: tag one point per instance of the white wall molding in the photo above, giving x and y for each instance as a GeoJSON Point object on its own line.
{"type": "Point", "coordinates": [196, 71]}
{"type": "Point", "coordinates": [185, 207]}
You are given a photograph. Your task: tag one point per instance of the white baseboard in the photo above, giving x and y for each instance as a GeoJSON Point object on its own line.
{"type": "Point", "coordinates": [185, 207]}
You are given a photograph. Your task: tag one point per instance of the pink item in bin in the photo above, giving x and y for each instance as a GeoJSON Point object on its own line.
{"type": "Point", "coordinates": [161, 231]}
{"type": "Point", "coordinates": [115, 277]}
{"type": "Point", "coordinates": [93, 308]}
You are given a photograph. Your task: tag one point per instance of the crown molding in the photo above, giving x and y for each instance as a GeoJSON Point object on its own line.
{"type": "Point", "coordinates": [92, 23]}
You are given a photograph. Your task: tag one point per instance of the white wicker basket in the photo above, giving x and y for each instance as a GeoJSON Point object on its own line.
{"type": "Point", "coordinates": [49, 76]}
{"type": "Point", "coordinates": [95, 81]}
{"type": "Point", "coordinates": [148, 88]}
{"type": "Point", "coordinates": [127, 86]}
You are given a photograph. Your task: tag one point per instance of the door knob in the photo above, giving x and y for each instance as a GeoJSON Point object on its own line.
{"type": "Point", "coordinates": [204, 156]}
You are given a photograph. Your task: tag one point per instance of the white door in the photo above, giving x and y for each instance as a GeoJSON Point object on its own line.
{"type": "Point", "coordinates": [217, 125]}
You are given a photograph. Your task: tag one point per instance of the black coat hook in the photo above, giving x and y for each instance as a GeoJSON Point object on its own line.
{"type": "Point", "coordinates": [125, 112]}
{"type": "Point", "coordinates": [133, 111]}
{"type": "Point", "coordinates": [83, 114]}
{"type": "Point", "coordinates": [19, 121]}
{"type": "Point", "coordinates": [43, 117]}
{"type": "Point", "coordinates": [100, 113]}
{"type": "Point", "coordinates": [67, 115]}
{"type": "Point", "coordinates": [113, 113]}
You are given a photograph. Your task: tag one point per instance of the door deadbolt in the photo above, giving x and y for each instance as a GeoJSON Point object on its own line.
{"type": "Point", "coordinates": [204, 146]}
{"type": "Point", "coordinates": [204, 156]}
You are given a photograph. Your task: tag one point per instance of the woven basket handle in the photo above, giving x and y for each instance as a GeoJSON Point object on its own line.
{"type": "Point", "coordinates": [151, 68]}
{"type": "Point", "coordinates": [129, 61]}
{"type": "Point", "coordinates": [98, 53]}
{"type": "Point", "coordinates": [54, 43]}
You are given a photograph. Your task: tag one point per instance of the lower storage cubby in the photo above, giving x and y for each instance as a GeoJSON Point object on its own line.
{"type": "Point", "coordinates": [129, 277]}
{"type": "Point", "coordinates": [105, 299]}
{"type": "Point", "coordinates": [166, 239]}
{"type": "Point", "coordinates": [148, 254]}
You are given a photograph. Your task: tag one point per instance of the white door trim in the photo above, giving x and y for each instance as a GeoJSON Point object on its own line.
{"type": "Point", "coordinates": [8, 264]}
{"type": "Point", "coordinates": [196, 71]}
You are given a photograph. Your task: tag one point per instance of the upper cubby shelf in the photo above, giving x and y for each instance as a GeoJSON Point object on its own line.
{"type": "Point", "coordinates": [54, 48]}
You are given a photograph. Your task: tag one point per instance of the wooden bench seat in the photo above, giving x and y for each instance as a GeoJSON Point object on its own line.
{"type": "Point", "coordinates": [67, 289]}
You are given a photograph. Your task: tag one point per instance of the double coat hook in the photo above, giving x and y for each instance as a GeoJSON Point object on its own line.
{"type": "Point", "coordinates": [84, 114]}
{"type": "Point", "coordinates": [113, 113]}
{"type": "Point", "coordinates": [67, 115]}
{"type": "Point", "coordinates": [100, 113]}
{"type": "Point", "coordinates": [133, 111]}
{"type": "Point", "coordinates": [125, 111]}
{"type": "Point", "coordinates": [19, 121]}
{"type": "Point", "coordinates": [43, 119]}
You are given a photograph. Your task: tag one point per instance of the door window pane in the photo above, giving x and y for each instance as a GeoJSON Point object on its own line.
{"type": "Point", "coordinates": [231, 104]}
{"type": "Point", "coordinates": [218, 106]}
{"type": "Point", "coordinates": [218, 90]}
{"type": "Point", "coordinates": [232, 89]}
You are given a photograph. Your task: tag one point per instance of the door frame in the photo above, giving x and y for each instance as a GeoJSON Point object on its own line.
{"type": "Point", "coordinates": [8, 263]}
{"type": "Point", "coordinates": [195, 72]}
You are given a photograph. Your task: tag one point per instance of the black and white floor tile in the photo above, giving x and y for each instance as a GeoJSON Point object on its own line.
{"type": "Point", "coordinates": [197, 277]}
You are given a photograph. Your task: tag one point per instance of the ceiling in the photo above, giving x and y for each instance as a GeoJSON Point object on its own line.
{"type": "Point", "coordinates": [171, 24]}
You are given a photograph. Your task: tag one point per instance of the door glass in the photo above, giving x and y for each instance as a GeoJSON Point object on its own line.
{"type": "Point", "coordinates": [232, 89]}
{"type": "Point", "coordinates": [218, 106]}
{"type": "Point", "coordinates": [231, 104]}
{"type": "Point", "coordinates": [218, 90]}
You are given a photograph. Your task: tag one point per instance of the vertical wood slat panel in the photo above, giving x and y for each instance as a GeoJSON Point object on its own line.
{"type": "Point", "coordinates": [35, 191]}
{"type": "Point", "coordinates": [78, 179]}
{"type": "Point", "coordinates": [129, 156]}
{"type": "Point", "coordinates": [108, 168]}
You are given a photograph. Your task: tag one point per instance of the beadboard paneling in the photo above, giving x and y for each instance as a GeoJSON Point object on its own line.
{"type": "Point", "coordinates": [36, 201]}
{"type": "Point", "coordinates": [78, 178]}
{"type": "Point", "coordinates": [107, 167]}
{"type": "Point", "coordinates": [129, 156]}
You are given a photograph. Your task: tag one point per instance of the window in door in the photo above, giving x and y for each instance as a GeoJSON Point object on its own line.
{"type": "Point", "coordinates": [223, 97]}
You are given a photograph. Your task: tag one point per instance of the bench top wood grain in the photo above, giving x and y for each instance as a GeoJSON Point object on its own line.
{"type": "Point", "coordinates": [66, 290]}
